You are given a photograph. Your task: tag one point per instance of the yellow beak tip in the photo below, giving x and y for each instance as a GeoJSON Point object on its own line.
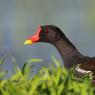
{"type": "Point", "coordinates": [27, 42]}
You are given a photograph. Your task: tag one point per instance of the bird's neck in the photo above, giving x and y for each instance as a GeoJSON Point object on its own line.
{"type": "Point", "coordinates": [68, 52]}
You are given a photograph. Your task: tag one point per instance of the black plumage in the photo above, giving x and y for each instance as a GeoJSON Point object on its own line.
{"type": "Point", "coordinates": [70, 55]}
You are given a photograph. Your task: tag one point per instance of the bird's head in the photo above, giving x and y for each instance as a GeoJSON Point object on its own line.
{"type": "Point", "coordinates": [47, 33]}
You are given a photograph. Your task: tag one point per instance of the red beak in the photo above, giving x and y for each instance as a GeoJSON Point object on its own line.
{"type": "Point", "coordinates": [34, 38]}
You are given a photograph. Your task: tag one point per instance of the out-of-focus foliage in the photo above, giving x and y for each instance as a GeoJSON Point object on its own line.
{"type": "Point", "coordinates": [55, 80]}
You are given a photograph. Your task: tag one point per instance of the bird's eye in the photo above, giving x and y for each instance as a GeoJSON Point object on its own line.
{"type": "Point", "coordinates": [46, 32]}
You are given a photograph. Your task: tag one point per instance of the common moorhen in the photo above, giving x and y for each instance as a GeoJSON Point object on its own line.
{"type": "Point", "coordinates": [70, 55]}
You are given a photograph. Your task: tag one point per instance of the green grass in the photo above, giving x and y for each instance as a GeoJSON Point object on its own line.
{"type": "Point", "coordinates": [52, 80]}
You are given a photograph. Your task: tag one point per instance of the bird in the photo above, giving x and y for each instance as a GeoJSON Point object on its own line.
{"type": "Point", "coordinates": [71, 56]}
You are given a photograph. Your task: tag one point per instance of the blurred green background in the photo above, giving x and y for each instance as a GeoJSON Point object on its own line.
{"type": "Point", "coordinates": [20, 19]}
